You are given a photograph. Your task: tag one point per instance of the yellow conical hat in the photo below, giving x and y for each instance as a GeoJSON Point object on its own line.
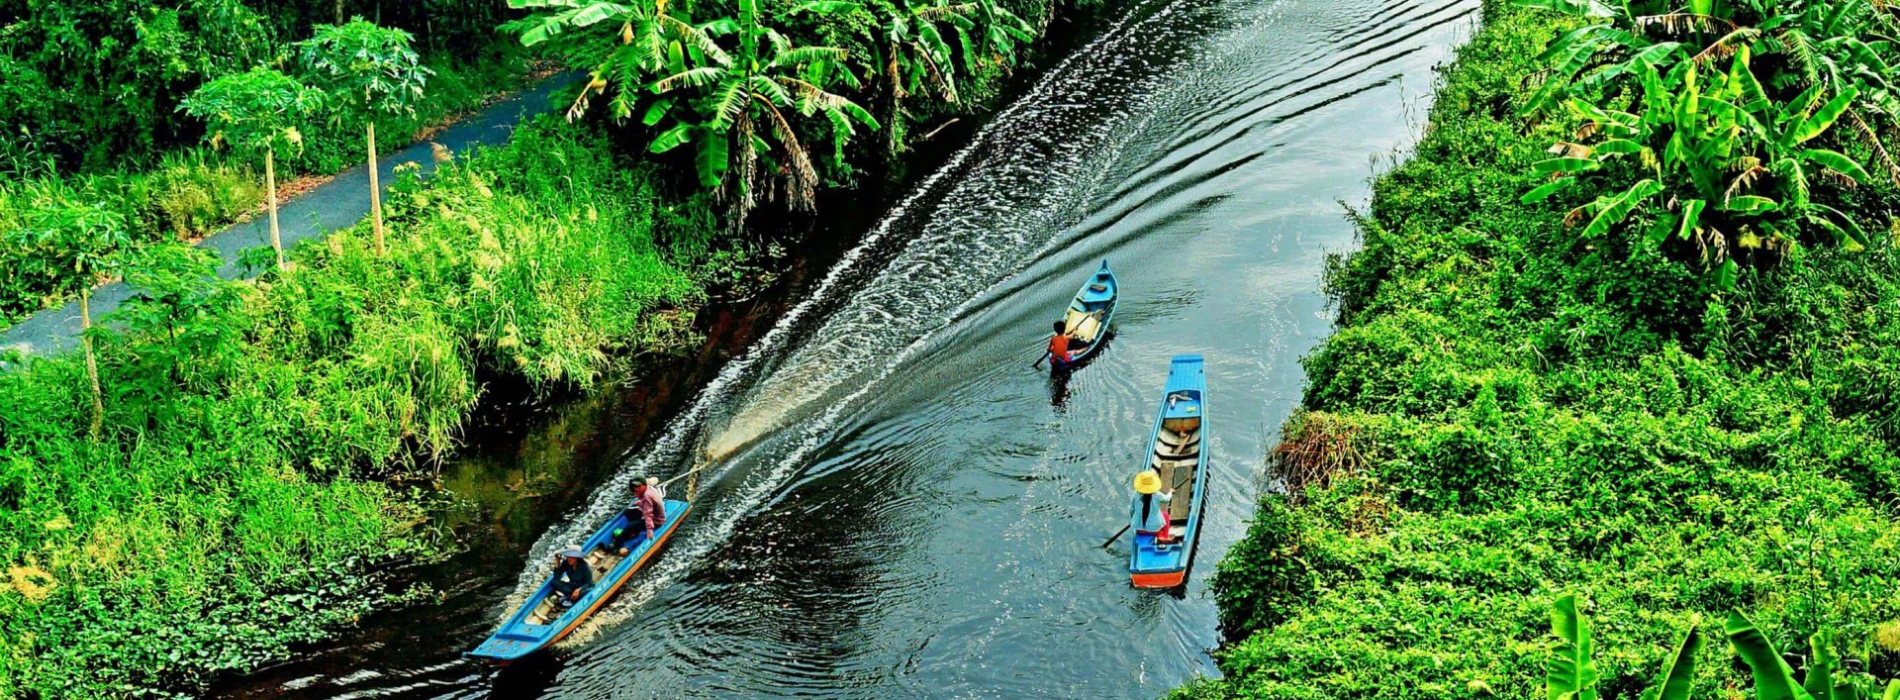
{"type": "Point", "coordinates": [1147, 482]}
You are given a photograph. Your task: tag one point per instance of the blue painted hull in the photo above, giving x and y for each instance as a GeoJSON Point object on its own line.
{"type": "Point", "coordinates": [522, 635]}
{"type": "Point", "coordinates": [1088, 299]}
{"type": "Point", "coordinates": [1178, 453]}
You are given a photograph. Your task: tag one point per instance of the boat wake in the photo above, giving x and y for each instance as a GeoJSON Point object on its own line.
{"type": "Point", "coordinates": [996, 205]}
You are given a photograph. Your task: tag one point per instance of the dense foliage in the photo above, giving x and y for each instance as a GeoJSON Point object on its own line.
{"type": "Point", "coordinates": [749, 94]}
{"type": "Point", "coordinates": [87, 84]}
{"type": "Point", "coordinates": [187, 194]}
{"type": "Point", "coordinates": [1508, 413]}
{"type": "Point", "coordinates": [1727, 148]}
{"type": "Point", "coordinates": [223, 513]}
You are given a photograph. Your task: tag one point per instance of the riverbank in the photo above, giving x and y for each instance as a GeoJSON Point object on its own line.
{"type": "Point", "coordinates": [269, 448]}
{"type": "Point", "coordinates": [1505, 415]}
{"type": "Point", "coordinates": [268, 445]}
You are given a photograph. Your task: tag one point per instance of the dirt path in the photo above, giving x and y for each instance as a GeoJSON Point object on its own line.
{"type": "Point", "coordinates": [336, 204]}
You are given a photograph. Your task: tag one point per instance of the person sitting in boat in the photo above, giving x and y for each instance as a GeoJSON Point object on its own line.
{"type": "Point", "coordinates": [644, 515]}
{"type": "Point", "coordinates": [572, 575]}
{"type": "Point", "coordinates": [1059, 343]}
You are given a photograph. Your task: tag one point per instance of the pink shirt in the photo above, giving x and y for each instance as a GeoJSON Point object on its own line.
{"type": "Point", "coordinates": [651, 508]}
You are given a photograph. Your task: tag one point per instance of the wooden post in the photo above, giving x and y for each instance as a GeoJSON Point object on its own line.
{"type": "Point", "coordinates": [375, 192]}
{"type": "Point", "coordinates": [270, 184]}
{"type": "Point", "coordinates": [92, 361]}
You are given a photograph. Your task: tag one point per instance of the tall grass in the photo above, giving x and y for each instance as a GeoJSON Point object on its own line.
{"type": "Point", "coordinates": [229, 508]}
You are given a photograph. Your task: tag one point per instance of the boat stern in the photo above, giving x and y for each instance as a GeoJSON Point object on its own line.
{"type": "Point", "coordinates": [1164, 579]}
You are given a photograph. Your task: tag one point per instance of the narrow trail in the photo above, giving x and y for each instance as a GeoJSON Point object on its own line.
{"type": "Point", "coordinates": [337, 204]}
{"type": "Point", "coordinates": [894, 504]}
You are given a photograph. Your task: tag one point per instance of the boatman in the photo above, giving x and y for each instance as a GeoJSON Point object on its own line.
{"type": "Point", "coordinates": [572, 575]}
{"type": "Point", "coordinates": [1059, 344]}
{"type": "Point", "coordinates": [1149, 519]}
{"type": "Point", "coordinates": [644, 515]}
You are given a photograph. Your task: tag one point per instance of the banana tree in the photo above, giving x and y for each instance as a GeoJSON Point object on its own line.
{"type": "Point", "coordinates": [1571, 674]}
{"type": "Point", "coordinates": [1718, 164]}
{"type": "Point", "coordinates": [652, 40]}
{"type": "Point", "coordinates": [996, 37]}
{"type": "Point", "coordinates": [1835, 45]}
{"type": "Point", "coordinates": [764, 82]}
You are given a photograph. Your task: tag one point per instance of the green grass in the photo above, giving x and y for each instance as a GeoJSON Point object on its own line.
{"type": "Point", "coordinates": [1536, 414]}
{"type": "Point", "coordinates": [258, 435]}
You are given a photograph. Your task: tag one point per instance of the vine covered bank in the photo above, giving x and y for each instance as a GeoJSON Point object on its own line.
{"type": "Point", "coordinates": [1514, 408]}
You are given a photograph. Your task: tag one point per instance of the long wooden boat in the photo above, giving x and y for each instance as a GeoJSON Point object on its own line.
{"type": "Point", "coordinates": [1166, 520]}
{"type": "Point", "coordinates": [1089, 316]}
{"type": "Point", "coordinates": [541, 621]}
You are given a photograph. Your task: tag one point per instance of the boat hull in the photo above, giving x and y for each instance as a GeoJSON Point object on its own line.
{"type": "Point", "coordinates": [523, 634]}
{"type": "Point", "coordinates": [1179, 458]}
{"type": "Point", "coordinates": [1090, 300]}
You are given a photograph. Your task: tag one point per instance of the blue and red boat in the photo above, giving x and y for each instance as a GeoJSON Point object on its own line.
{"type": "Point", "coordinates": [1171, 492]}
{"type": "Point", "coordinates": [1088, 317]}
{"type": "Point", "coordinates": [542, 620]}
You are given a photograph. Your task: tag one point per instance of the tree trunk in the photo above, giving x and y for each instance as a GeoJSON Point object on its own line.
{"type": "Point", "coordinates": [339, 11]}
{"type": "Point", "coordinates": [375, 192]}
{"type": "Point", "coordinates": [270, 186]}
{"type": "Point", "coordinates": [92, 361]}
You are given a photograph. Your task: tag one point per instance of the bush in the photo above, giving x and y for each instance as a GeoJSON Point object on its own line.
{"type": "Point", "coordinates": [1539, 415]}
{"type": "Point", "coordinates": [228, 510]}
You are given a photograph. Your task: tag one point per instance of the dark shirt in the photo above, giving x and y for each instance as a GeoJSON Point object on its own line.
{"type": "Point", "coordinates": [575, 572]}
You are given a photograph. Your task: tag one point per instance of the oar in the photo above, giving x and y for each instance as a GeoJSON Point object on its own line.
{"type": "Point", "coordinates": [1118, 535]}
{"type": "Point", "coordinates": [1038, 365]}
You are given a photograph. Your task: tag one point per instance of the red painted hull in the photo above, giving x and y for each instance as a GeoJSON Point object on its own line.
{"type": "Point", "coordinates": [1169, 579]}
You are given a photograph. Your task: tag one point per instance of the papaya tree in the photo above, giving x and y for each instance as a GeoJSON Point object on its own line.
{"type": "Point", "coordinates": [75, 246]}
{"type": "Point", "coordinates": [256, 112]}
{"type": "Point", "coordinates": [368, 70]}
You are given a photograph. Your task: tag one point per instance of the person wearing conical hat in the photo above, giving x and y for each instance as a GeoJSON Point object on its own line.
{"type": "Point", "coordinates": [1153, 516]}
{"type": "Point", "coordinates": [572, 575]}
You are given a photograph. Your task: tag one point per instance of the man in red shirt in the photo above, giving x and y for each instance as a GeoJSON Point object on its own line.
{"type": "Point", "coordinates": [645, 514]}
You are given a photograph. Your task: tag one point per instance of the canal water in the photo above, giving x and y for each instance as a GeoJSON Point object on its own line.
{"type": "Point", "coordinates": [893, 503]}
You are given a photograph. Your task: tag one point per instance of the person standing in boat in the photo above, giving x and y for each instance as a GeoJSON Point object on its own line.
{"type": "Point", "coordinates": [572, 575]}
{"type": "Point", "coordinates": [644, 515]}
{"type": "Point", "coordinates": [1151, 505]}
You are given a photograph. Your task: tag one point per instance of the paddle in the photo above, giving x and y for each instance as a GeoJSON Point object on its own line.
{"type": "Point", "coordinates": [1038, 365]}
{"type": "Point", "coordinates": [1118, 535]}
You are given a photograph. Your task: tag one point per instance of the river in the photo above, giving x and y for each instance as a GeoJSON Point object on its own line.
{"type": "Point", "coordinates": [898, 506]}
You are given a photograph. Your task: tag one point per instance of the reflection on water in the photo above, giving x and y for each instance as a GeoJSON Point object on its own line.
{"type": "Point", "coordinates": [896, 504]}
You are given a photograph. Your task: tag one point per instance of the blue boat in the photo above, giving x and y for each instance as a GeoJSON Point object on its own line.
{"type": "Point", "coordinates": [1171, 492]}
{"type": "Point", "coordinates": [1088, 318]}
{"type": "Point", "coordinates": [542, 621]}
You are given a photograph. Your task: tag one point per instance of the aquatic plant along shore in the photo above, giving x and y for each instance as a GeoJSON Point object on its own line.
{"type": "Point", "coordinates": [1549, 380]}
